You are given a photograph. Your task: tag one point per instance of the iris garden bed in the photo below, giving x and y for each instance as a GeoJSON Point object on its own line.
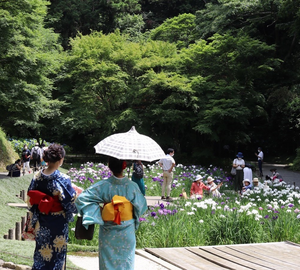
{"type": "Point", "coordinates": [267, 214]}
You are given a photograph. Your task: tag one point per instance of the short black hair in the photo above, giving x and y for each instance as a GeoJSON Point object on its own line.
{"type": "Point", "coordinates": [170, 150]}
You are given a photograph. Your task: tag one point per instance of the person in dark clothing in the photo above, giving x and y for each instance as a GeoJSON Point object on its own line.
{"type": "Point", "coordinates": [15, 170]}
{"type": "Point", "coordinates": [138, 175]}
{"type": "Point", "coordinates": [26, 159]}
{"type": "Point", "coordinates": [36, 156]}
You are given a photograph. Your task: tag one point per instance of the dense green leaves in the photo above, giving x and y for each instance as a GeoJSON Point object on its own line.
{"type": "Point", "coordinates": [220, 73]}
{"type": "Point", "coordinates": [29, 57]}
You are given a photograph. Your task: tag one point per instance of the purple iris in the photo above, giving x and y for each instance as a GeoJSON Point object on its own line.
{"type": "Point", "coordinates": [153, 214]}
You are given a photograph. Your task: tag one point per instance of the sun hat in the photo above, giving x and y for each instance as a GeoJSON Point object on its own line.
{"type": "Point", "coordinates": [246, 180]}
{"type": "Point", "coordinates": [255, 180]}
{"type": "Point", "coordinates": [239, 155]}
{"type": "Point", "coordinates": [210, 179]}
{"type": "Point", "coordinates": [198, 177]}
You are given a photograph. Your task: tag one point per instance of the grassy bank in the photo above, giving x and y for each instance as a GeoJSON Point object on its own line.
{"type": "Point", "coordinates": [18, 252]}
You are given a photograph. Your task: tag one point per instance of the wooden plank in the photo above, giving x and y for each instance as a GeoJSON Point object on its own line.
{"type": "Point", "coordinates": [285, 252]}
{"type": "Point", "coordinates": [223, 262]}
{"type": "Point", "coordinates": [234, 259]}
{"type": "Point", "coordinates": [277, 261]}
{"type": "Point", "coordinates": [155, 259]}
{"type": "Point", "coordinates": [183, 258]}
{"type": "Point", "coordinates": [248, 261]}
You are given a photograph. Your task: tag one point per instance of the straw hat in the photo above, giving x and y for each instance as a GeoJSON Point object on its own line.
{"type": "Point", "coordinates": [198, 177]}
{"type": "Point", "coordinates": [255, 180]}
{"type": "Point", "coordinates": [210, 179]}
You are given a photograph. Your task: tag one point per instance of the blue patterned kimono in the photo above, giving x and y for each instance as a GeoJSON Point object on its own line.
{"type": "Point", "coordinates": [52, 230]}
{"type": "Point", "coordinates": [116, 242]}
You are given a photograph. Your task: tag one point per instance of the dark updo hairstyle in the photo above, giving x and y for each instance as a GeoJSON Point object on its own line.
{"type": "Point", "coordinates": [53, 153]}
{"type": "Point", "coordinates": [115, 165]}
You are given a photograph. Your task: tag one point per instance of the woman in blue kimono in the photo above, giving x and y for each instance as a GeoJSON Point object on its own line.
{"type": "Point", "coordinates": [123, 204]}
{"type": "Point", "coordinates": [51, 201]}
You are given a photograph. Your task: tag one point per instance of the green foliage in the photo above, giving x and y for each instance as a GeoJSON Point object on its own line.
{"type": "Point", "coordinates": [157, 11]}
{"type": "Point", "coordinates": [29, 57]}
{"type": "Point", "coordinates": [180, 30]}
{"type": "Point", "coordinates": [7, 153]}
{"type": "Point", "coordinates": [71, 17]}
{"type": "Point", "coordinates": [296, 162]}
{"type": "Point", "coordinates": [225, 87]}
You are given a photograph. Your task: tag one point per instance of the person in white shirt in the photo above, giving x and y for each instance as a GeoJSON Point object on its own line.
{"type": "Point", "coordinates": [248, 172]}
{"type": "Point", "coordinates": [239, 165]}
{"type": "Point", "coordinates": [260, 158]}
{"type": "Point", "coordinates": [167, 163]}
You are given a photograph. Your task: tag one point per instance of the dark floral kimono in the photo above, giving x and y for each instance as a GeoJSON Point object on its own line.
{"type": "Point", "coordinates": [51, 226]}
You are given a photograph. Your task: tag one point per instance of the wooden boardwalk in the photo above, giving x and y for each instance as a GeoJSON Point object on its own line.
{"type": "Point", "coordinates": [277, 255]}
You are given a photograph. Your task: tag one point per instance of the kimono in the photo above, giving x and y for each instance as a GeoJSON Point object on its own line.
{"type": "Point", "coordinates": [116, 242]}
{"type": "Point", "coordinates": [51, 201]}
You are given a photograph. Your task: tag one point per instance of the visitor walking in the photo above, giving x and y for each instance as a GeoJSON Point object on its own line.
{"type": "Point", "coordinates": [238, 164]}
{"type": "Point", "coordinates": [26, 159]}
{"type": "Point", "coordinates": [138, 175]}
{"type": "Point", "coordinates": [117, 240]}
{"type": "Point", "coordinates": [36, 156]}
{"type": "Point", "coordinates": [260, 158]}
{"type": "Point", "coordinates": [51, 202]}
{"type": "Point", "coordinates": [167, 163]}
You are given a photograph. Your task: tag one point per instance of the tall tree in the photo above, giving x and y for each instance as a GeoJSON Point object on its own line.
{"type": "Point", "coordinates": [29, 58]}
{"type": "Point", "coordinates": [70, 17]}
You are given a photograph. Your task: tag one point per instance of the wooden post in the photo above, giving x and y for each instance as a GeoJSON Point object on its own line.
{"type": "Point", "coordinates": [11, 234]}
{"type": "Point", "coordinates": [23, 223]}
{"type": "Point", "coordinates": [18, 231]}
{"type": "Point", "coordinates": [23, 195]}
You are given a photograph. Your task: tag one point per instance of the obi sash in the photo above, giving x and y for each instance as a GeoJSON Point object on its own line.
{"type": "Point", "coordinates": [45, 202]}
{"type": "Point", "coordinates": [119, 209]}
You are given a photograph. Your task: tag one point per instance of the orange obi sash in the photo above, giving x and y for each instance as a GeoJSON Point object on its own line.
{"type": "Point", "coordinates": [119, 209]}
{"type": "Point", "coordinates": [45, 202]}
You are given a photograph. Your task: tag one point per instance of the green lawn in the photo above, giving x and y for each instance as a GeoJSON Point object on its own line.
{"type": "Point", "coordinates": [18, 252]}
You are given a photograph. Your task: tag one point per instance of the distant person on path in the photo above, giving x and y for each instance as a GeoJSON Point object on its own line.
{"type": "Point", "coordinates": [36, 156]}
{"type": "Point", "coordinates": [239, 165]}
{"type": "Point", "coordinates": [51, 199]}
{"type": "Point", "coordinates": [275, 175]}
{"type": "Point", "coordinates": [197, 187]}
{"type": "Point", "coordinates": [117, 240]}
{"type": "Point", "coordinates": [260, 158]}
{"type": "Point", "coordinates": [138, 175]}
{"type": "Point", "coordinates": [26, 159]}
{"type": "Point", "coordinates": [167, 163]}
{"type": "Point", "coordinates": [43, 148]}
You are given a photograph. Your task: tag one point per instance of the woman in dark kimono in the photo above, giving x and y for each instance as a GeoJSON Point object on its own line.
{"type": "Point", "coordinates": [51, 200]}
